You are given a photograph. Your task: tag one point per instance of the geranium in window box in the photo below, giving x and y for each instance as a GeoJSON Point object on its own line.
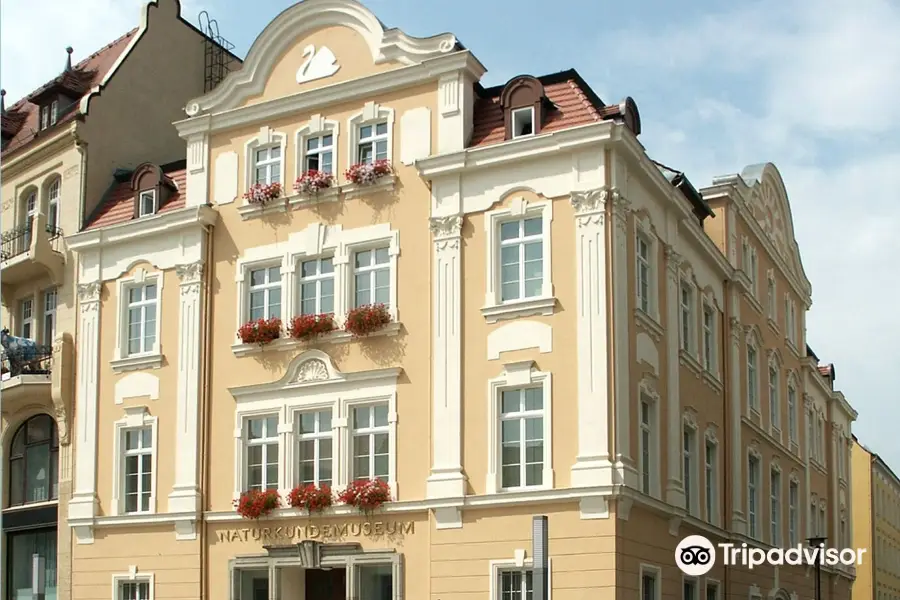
{"type": "Point", "coordinates": [312, 182]}
{"type": "Point", "coordinates": [260, 331]}
{"type": "Point", "coordinates": [366, 319]}
{"type": "Point", "coordinates": [366, 494]}
{"type": "Point", "coordinates": [262, 193]}
{"type": "Point", "coordinates": [254, 504]}
{"type": "Point", "coordinates": [368, 173]}
{"type": "Point", "coordinates": [311, 497]}
{"type": "Point", "coordinates": [307, 327]}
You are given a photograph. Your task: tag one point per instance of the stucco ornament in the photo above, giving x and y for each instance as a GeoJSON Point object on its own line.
{"type": "Point", "coordinates": [318, 64]}
{"type": "Point", "coordinates": [312, 370]}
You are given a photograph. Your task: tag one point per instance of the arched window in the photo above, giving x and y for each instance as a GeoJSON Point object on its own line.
{"type": "Point", "coordinates": [34, 462]}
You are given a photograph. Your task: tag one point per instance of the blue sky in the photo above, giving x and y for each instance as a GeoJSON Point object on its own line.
{"type": "Point", "coordinates": [809, 85]}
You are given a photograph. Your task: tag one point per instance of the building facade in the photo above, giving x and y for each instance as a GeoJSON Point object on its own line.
{"type": "Point", "coordinates": [490, 300]}
{"type": "Point", "coordinates": [876, 520]}
{"type": "Point", "coordinates": [61, 145]}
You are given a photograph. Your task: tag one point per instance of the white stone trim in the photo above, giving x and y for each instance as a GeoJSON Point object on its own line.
{"type": "Point", "coordinates": [754, 340]}
{"type": "Point", "coordinates": [136, 385]}
{"type": "Point", "coordinates": [519, 335]}
{"type": "Point", "coordinates": [316, 126]}
{"type": "Point", "coordinates": [153, 358]}
{"type": "Point", "coordinates": [446, 478]}
{"type": "Point", "coordinates": [644, 229]}
{"type": "Point", "coordinates": [674, 486]}
{"type": "Point", "coordinates": [132, 577]}
{"type": "Point", "coordinates": [647, 390]}
{"type": "Point", "coordinates": [709, 437]}
{"type": "Point", "coordinates": [494, 309]}
{"type": "Point", "coordinates": [689, 422]}
{"type": "Point", "coordinates": [136, 416]}
{"type": "Point", "coordinates": [517, 563]}
{"type": "Point", "coordinates": [266, 138]}
{"type": "Point", "coordinates": [657, 576]}
{"type": "Point", "coordinates": [716, 584]}
{"type": "Point", "coordinates": [515, 375]}
{"type": "Point", "coordinates": [371, 114]}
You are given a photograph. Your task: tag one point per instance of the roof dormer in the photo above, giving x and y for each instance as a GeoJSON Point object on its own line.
{"type": "Point", "coordinates": [56, 97]}
{"type": "Point", "coordinates": [151, 188]}
{"type": "Point", "coordinates": [524, 106]}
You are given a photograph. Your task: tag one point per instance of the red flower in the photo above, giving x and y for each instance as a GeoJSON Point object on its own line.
{"type": "Point", "coordinates": [312, 181]}
{"type": "Point", "coordinates": [310, 497]}
{"type": "Point", "coordinates": [366, 494]}
{"type": "Point", "coordinates": [368, 173]}
{"type": "Point", "coordinates": [306, 327]}
{"type": "Point", "coordinates": [261, 331]}
{"type": "Point", "coordinates": [254, 504]}
{"type": "Point", "coordinates": [261, 193]}
{"type": "Point", "coordinates": [363, 320]}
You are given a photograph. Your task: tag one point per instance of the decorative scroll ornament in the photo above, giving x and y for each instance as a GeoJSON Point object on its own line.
{"type": "Point", "coordinates": [318, 64]}
{"type": "Point", "coordinates": [673, 259]}
{"type": "Point", "coordinates": [312, 370]}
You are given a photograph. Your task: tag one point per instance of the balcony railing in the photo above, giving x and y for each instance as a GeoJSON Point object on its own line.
{"type": "Point", "coordinates": [17, 240]}
{"type": "Point", "coordinates": [33, 360]}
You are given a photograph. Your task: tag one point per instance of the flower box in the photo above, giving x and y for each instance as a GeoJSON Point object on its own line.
{"type": "Point", "coordinates": [307, 327]}
{"type": "Point", "coordinates": [311, 497]}
{"type": "Point", "coordinates": [311, 182]}
{"type": "Point", "coordinates": [368, 173]}
{"type": "Point", "coordinates": [366, 494]}
{"type": "Point", "coordinates": [366, 319]}
{"type": "Point", "coordinates": [254, 504]}
{"type": "Point", "coordinates": [261, 331]}
{"type": "Point", "coordinates": [261, 193]}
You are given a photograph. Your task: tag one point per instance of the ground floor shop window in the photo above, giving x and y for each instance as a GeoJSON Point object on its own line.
{"type": "Point", "coordinates": [20, 548]}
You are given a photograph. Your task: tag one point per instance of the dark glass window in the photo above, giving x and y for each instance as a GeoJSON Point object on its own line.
{"type": "Point", "coordinates": [34, 462]}
{"type": "Point", "coordinates": [20, 549]}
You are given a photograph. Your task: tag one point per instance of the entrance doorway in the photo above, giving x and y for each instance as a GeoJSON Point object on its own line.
{"type": "Point", "coordinates": [326, 584]}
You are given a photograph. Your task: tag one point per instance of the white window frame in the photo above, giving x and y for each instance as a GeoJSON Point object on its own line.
{"type": "Point", "coordinates": [793, 511]}
{"type": "Point", "coordinates": [774, 393]}
{"type": "Point", "coordinates": [750, 265]}
{"type": "Point", "coordinates": [716, 585]}
{"type": "Point", "coordinates": [823, 519]}
{"type": "Point", "coordinates": [656, 573]}
{"type": "Point", "coordinates": [119, 579]}
{"type": "Point", "coordinates": [709, 346]}
{"type": "Point", "coordinates": [353, 241]}
{"type": "Point", "coordinates": [266, 287]}
{"type": "Point", "coordinates": [689, 454]}
{"type": "Point", "coordinates": [643, 273]}
{"type": "Point", "coordinates": [516, 564]}
{"type": "Point", "coordinates": [278, 438]}
{"type": "Point", "coordinates": [286, 398]}
{"type": "Point", "coordinates": [696, 583]}
{"type": "Point", "coordinates": [753, 492]}
{"type": "Point", "coordinates": [154, 200]}
{"type": "Point", "coordinates": [648, 394]}
{"type": "Point", "coordinates": [152, 358]}
{"type": "Point", "coordinates": [49, 312]}
{"type": "Point", "coordinates": [494, 309]}
{"type": "Point", "coordinates": [27, 318]}
{"type": "Point", "coordinates": [776, 506]}
{"type": "Point", "coordinates": [371, 114]}
{"type": "Point", "coordinates": [369, 431]}
{"type": "Point", "coordinates": [643, 229]}
{"type": "Point", "coordinates": [317, 279]}
{"type": "Point", "coordinates": [512, 121]}
{"type": "Point", "coordinates": [266, 138]}
{"type": "Point", "coordinates": [368, 271]}
{"type": "Point", "coordinates": [772, 298]}
{"type": "Point", "coordinates": [687, 317]}
{"type": "Point", "coordinates": [135, 417]}
{"type": "Point", "coordinates": [711, 477]}
{"type": "Point", "coordinates": [793, 413]}
{"type": "Point", "coordinates": [316, 127]}
{"type": "Point", "coordinates": [516, 375]}
{"type": "Point", "coordinates": [45, 117]}
{"type": "Point", "coordinates": [753, 402]}
{"type": "Point", "coordinates": [54, 191]}
{"type": "Point", "coordinates": [54, 112]}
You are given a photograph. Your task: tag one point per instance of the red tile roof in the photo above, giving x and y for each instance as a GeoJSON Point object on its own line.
{"type": "Point", "coordinates": [825, 370]}
{"type": "Point", "coordinates": [575, 103]}
{"type": "Point", "coordinates": [118, 207]}
{"type": "Point", "coordinates": [23, 118]}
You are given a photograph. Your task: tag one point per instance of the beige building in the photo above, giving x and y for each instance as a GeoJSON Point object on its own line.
{"type": "Point", "coordinates": [518, 312]}
{"type": "Point", "coordinates": [876, 524]}
{"type": "Point", "coordinates": [61, 144]}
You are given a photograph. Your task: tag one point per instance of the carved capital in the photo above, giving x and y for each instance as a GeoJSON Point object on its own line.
{"type": "Point", "coordinates": [589, 201]}
{"type": "Point", "coordinates": [620, 203]}
{"type": "Point", "coordinates": [807, 401]}
{"type": "Point", "coordinates": [737, 329]}
{"type": "Point", "coordinates": [673, 259]}
{"type": "Point", "coordinates": [191, 273]}
{"type": "Point", "coordinates": [446, 227]}
{"type": "Point", "coordinates": [89, 292]}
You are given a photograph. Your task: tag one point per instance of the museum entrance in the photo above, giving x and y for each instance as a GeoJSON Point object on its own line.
{"type": "Point", "coordinates": [325, 584]}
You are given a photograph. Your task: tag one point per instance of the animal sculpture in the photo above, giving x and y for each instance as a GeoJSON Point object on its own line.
{"type": "Point", "coordinates": [318, 64]}
{"type": "Point", "coordinates": [23, 355]}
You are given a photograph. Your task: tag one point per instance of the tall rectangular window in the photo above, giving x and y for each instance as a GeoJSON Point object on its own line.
{"type": "Point", "coordinates": [712, 591]}
{"type": "Point", "coordinates": [262, 453]}
{"type": "Point", "coordinates": [792, 413]}
{"type": "Point", "coordinates": [51, 297]}
{"type": "Point", "coordinates": [515, 584]}
{"type": "Point", "coordinates": [646, 442]}
{"type": "Point", "coordinates": [753, 497]}
{"type": "Point", "coordinates": [775, 507]}
{"type": "Point", "coordinates": [793, 515]}
{"type": "Point", "coordinates": [774, 401]}
{"type": "Point", "coordinates": [147, 203]}
{"type": "Point", "coordinates": [373, 141]}
{"type": "Point", "coordinates": [521, 259]}
{"type": "Point", "coordinates": [267, 169]}
{"type": "Point", "coordinates": [688, 467]}
{"type": "Point", "coordinates": [142, 302]}
{"type": "Point", "coordinates": [711, 482]}
{"type": "Point", "coordinates": [687, 317]}
{"type": "Point", "coordinates": [372, 272]}
{"type": "Point", "coordinates": [709, 339]}
{"type": "Point", "coordinates": [690, 590]}
{"type": "Point", "coordinates": [371, 442]}
{"type": "Point", "coordinates": [648, 586]}
{"type": "Point", "coordinates": [314, 447]}
{"type": "Point", "coordinates": [317, 286]}
{"type": "Point", "coordinates": [138, 470]}
{"type": "Point", "coordinates": [265, 293]}
{"type": "Point", "coordinates": [823, 523]}
{"type": "Point", "coordinates": [643, 274]}
{"type": "Point", "coordinates": [26, 318]}
{"type": "Point", "coordinates": [772, 302]}
{"type": "Point", "coordinates": [752, 378]}
{"type": "Point", "coordinates": [522, 437]}
{"type": "Point", "coordinates": [320, 153]}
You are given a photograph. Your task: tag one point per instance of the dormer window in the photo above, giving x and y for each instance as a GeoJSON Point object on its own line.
{"type": "Point", "coordinates": [45, 117]}
{"type": "Point", "coordinates": [54, 110]}
{"type": "Point", "coordinates": [522, 121]}
{"type": "Point", "coordinates": [147, 203]}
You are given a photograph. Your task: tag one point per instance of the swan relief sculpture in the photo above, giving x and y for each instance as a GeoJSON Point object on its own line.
{"type": "Point", "coordinates": [318, 64]}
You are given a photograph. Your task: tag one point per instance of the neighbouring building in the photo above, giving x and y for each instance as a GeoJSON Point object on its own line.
{"type": "Point", "coordinates": [371, 267]}
{"type": "Point", "coordinates": [60, 145]}
{"type": "Point", "coordinates": [876, 524]}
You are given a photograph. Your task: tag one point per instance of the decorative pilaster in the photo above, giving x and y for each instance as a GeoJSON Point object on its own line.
{"type": "Point", "coordinates": [592, 466]}
{"type": "Point", "coordinates": [804, 427]}
{"type": "Point", "coordinates": [674, 487]}
{"type": "Point", "coordinates": [738, 481]}
{"type": "Point", "coordinates": [447, 479]}
{"type": "Point", "coordinates": [185, 496]}
{"type": "Point", "coordinates": [83, 505]}
{"type": "Point", "coordinates": [621, 356]}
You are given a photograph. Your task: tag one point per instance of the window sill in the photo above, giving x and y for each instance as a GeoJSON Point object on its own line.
{"type": "Point", "coordinates": [792, 347]}
{"type": "Point", "coordinates": [335, 337]}
{"type": "Point", "coordinates": [773, 325]}
{"type": "Point", "coordinates": [31, 505]}
{"type": "Point", "coordinates": [136, 363]}
{"type": "Point", "coordinates": [251, 211]}
{"type": "Point", "coordinates": [649, 323]}
{"type": "Point", "coordinates": [519, 308]}
{"type": "Point", "coordinates": [713, 381]}
{"type": "Point", "coordinates": [331, 194]}
{"type": "Point", "coordinates": [754, 416]}
{"type": "Point", "coordinates": [775, 432]}
{"type": "Point", "coordinates": [687, 360]}
{"type": "Point", "coordinates": [753, 302]}
{"type": "Point", "coordinates": [383, 184]}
